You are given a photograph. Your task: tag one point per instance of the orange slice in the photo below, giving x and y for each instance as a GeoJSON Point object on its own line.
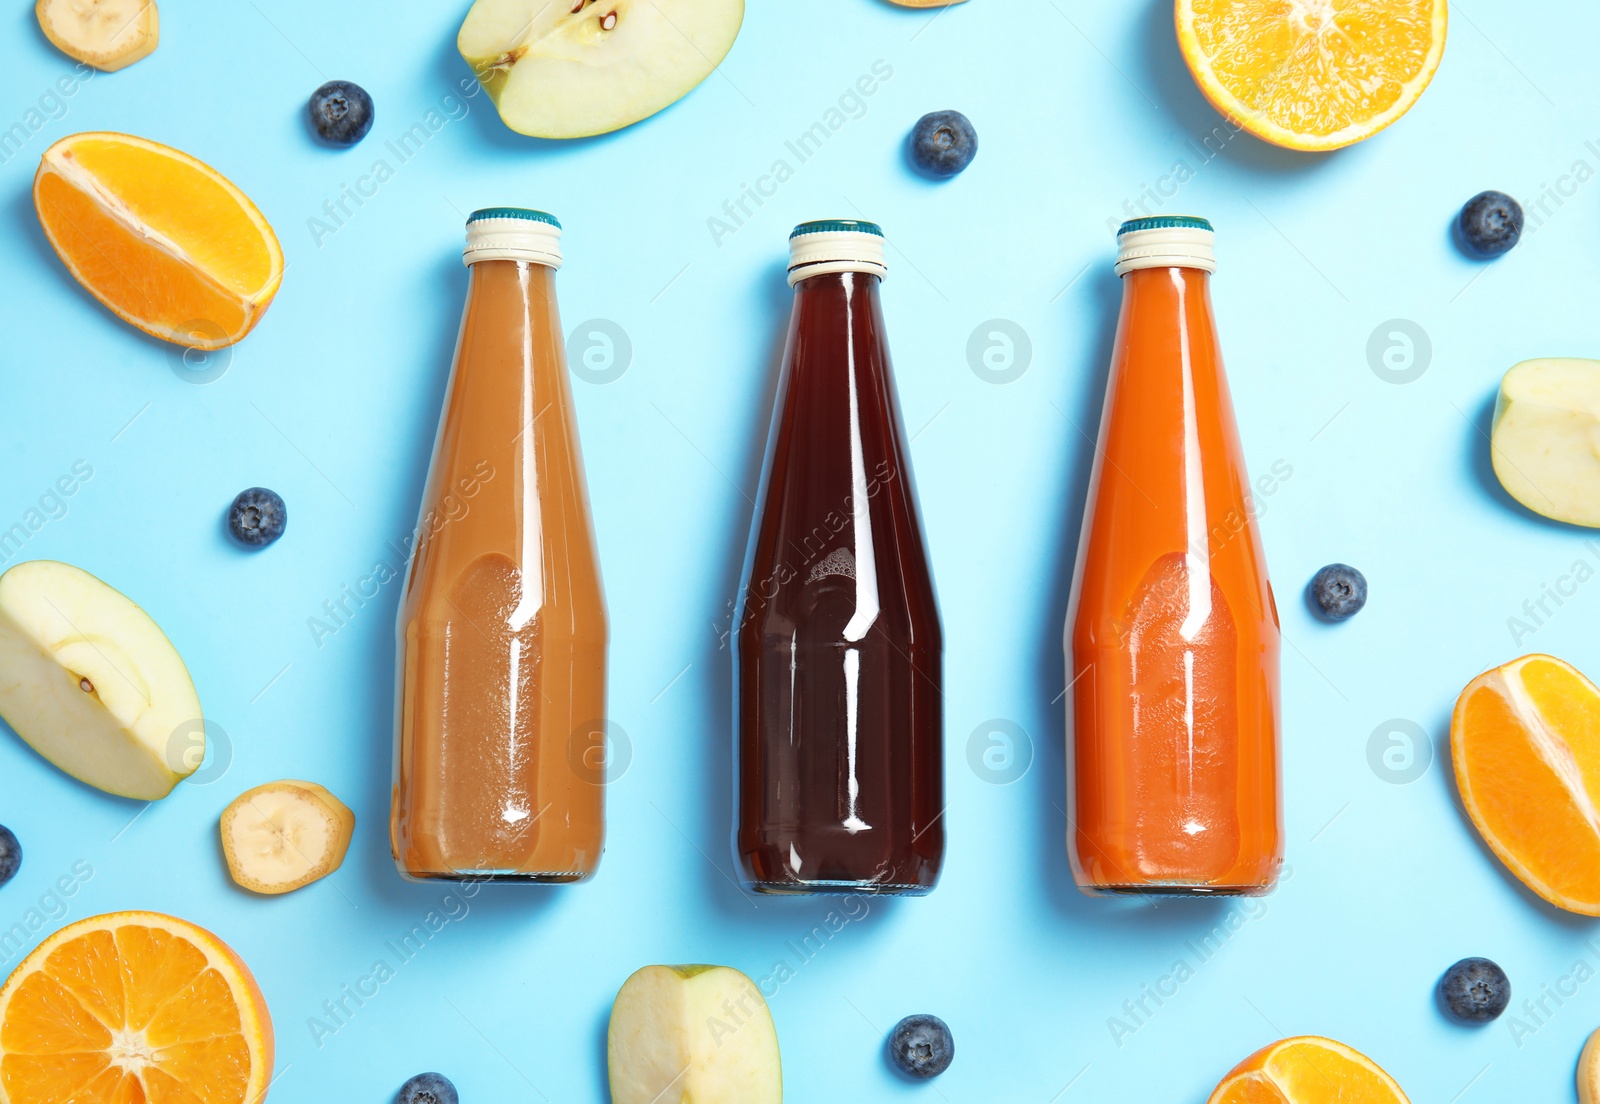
{"type": "Point", "coordinates": [1312, 74]}
{"type": "Point", "coordinates": [1525, 738]}
{"type": "Point", "coordinates": [1308, 1069]}
{"type": "Point", "coordinates": [133, 1008]}
{"type": "Point", "coordinates": [165, 241]}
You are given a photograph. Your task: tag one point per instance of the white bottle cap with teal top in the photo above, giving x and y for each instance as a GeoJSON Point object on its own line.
{"type": "Point", "coordinates": [835, 245]}
{"type": "Point", "coordinates": [1166, 241]}
{"type": "Point", "coordinates": [513, 234]}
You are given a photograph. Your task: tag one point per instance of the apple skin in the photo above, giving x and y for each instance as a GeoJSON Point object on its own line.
{"type": "Point", "coordinates": [1545, 443]}
{"type": "Point", "coordinates": [692, 1035]}
{"type": "Point", "coordinates": [91, 683]}
{"type": "Point", "coordinates": [555, 72]}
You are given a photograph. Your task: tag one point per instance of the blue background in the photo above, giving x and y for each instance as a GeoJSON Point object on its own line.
{"type": "Point", "coordinates": [1081, 108]}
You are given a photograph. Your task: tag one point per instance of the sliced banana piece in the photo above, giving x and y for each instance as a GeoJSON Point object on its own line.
{"type": "Point", "coordinates": [284, 835]}
{"type": "Point", "coordinates": [107, 34]}
{"type": "Point", "coordinates": [1589, 1071]}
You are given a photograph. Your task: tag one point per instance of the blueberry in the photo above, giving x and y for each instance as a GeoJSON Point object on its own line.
{"type": "Point", "coordinates": [341, 112]}
{"type": "Point", "coordinates": [1339, 591]}
{"type": "Point", "coordinates": [10, 855]}
{"type": "Point", "coordinates": [257, 517]}
{"type": "Point", "coordinates": [943, 143]}
{"type": "Point", "coordinates": [921, 1046]}
{"type": "Point", "coordinates": [427, 1088]}
{"type": "Point", "coordinates": [1490, 223]}
{"type": "Point", "coordinates": [1475, 990]}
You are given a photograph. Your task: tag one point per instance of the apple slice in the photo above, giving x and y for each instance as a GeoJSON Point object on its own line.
{"type": "Point", "coordinates": [1545, 444]}
{"type": "Point", "coordinates": [91, 682]}
{"type": "Point", "coordinates": [692, 1035]}
{"type": "Point", "coordinates": [571, 68]}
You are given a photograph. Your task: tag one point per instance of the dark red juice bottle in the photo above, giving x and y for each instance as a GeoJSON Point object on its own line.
{"type": "Point", "coordinates": [838, 653]}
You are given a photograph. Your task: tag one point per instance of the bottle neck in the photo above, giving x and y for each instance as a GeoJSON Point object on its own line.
{"type": "Point", "coordinates": [511, 280]}
{"type": "Point", "coordinates": [1165, 291]}
{"type": "Point", "coordinates": [846, 287]}
{"type": "Point", "coordinates": [1191, 277]}
{"type": "Point", "coordinates": [510, 322]}
{"type": "Point", "coordinates": [1165, 324]}
{"type": "Point", "coordinates": [833, 313]}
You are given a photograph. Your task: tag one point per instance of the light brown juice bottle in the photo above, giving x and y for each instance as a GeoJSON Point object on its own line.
{"type": "Point", "coordinates": [502, 628]}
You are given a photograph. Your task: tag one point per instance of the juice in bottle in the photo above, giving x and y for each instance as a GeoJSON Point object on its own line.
{"type": "Point", "coordinates": [1171, 634]}
{"type": "Point", "coordinates": [839, 711]}
{"type": "Point", "coordinates": [502, 626]}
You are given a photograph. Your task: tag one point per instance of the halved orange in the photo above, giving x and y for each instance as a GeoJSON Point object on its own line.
{"type": "Point", "coordinates": [1308, 1069]}
{"type": "Point", "coordinates": [165, 241]}
{"type": "Point", "coordinates": [1525, 739]}
{"type": "Point", "coordinates": [133, 1008]}
{"type": "Point", "coordinates": [1312, 74]}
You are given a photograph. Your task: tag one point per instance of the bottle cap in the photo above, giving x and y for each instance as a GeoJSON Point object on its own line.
{"type": "Point", "coordinates": [835, 245]}
{"type": "Point", "coordinates": [513, 234]}
{"type": "Point", "coordinates": [1166, 241]}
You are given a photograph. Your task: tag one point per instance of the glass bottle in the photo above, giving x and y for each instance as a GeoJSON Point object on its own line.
{"type": "Point", "coordinates": [502, 627]}
{"type": "Point", "coordinates": [1171, 634]}
{"type": "Point", "coordinates": [839, 710]}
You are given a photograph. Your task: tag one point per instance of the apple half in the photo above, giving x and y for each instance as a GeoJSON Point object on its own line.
{"type": "Point", "coordinates": [572, 68]}
{"type": "Point", "coordinates": [93, 684]}
{"type": "Point", "coordinates": [1545, 444]}
{"type": "Point", "coordinates": [692, 1035]}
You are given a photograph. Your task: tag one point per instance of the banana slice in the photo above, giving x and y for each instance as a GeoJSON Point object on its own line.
{"type": "Point", "coordinates": [107, 34]}
{"type": "Point", "coordinates": [1589, 1071]}
{"type": "Point", "coordinates": [284, 835]}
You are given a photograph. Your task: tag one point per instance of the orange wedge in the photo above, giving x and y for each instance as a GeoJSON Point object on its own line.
{"type": "Point", "coordinates": [165, 241]}
{"type": "Point", "coordinates": [1307, 1069]}
{"type": "Point", "coordinates": [1525, 739]}
{"type": "Point", "coordinates": [1312, 74]}
{"type": "Point", "coordinates": [133, 1008]}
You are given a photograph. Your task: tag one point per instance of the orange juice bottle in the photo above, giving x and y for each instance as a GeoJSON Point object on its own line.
{"type": "Point", "coordinates": [1171, 634]}
{"type": "Point", "coordinates": [502, 626]}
